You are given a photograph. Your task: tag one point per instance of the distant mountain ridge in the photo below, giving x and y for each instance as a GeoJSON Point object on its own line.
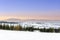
{"type": "Point", "coordinates": [19, 20]}
{"type": "Point", "coordinates": [13, 20]}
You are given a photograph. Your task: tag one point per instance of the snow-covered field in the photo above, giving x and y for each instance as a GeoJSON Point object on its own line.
{"type": "Point", "coordinates": [21, 35]}
{"type": "Point", "coordinates": [24, 35]}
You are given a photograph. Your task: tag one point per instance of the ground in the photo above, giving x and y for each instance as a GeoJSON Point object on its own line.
{"type": "Point", "coordinates": [22, 35]}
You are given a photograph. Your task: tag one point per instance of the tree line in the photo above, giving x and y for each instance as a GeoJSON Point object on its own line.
{"type": "Point", "coordinates": [31, 28]}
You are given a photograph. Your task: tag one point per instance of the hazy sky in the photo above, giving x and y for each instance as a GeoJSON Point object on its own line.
{"type": "Point", "coordinates": [30, 9]}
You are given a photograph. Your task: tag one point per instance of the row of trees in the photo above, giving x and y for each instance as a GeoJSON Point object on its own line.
{"type": "Point", "coordinates": [19, 27]}
{"type": "Point", "coordinates": [7, 27]}
{"type": "Point", "coordinates": [41, 29]}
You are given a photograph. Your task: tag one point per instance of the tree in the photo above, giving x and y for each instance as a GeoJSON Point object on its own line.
{"type": "Point", "coordinates": [11, 27]}
{"type": "Point", "coordinates": [18, 27]}
{"type": "Point", "coordinates": [1, 26]}
{"type": "Point", "coordinates": [29, 29]}
{"type": "Point", "coordinates": [7, 27]}
{"type": "Point", "coordinates": [51, 29]}
{"type": "Point", "coordinates": [24, 28]}
{"type": "Point", "coordinates": [43, 30]}
{"type": "Point", "coordinates": [59, 29]}
{"type": "Point", "coordinates": [56, 30]}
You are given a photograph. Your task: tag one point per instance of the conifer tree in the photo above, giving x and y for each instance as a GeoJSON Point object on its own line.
{"type": "Point", "coordinates": [7, 27]}
{"type": "Point", "coordinates": [1, 26]}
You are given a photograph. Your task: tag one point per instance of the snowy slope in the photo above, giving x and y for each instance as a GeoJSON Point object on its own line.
{"type": "Point", "coordinates": [19, 35]}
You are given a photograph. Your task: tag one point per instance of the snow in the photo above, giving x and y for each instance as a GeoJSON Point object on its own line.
{"type": "Point", "coordinates": [41, 24]}
{"type": "Point", "coordinates": [23, 35]}
{"type": "Point", "coordinates": [36, 24]}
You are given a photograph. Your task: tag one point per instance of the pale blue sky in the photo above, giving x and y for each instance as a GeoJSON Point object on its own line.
{"type": "Point", "coordinates": [30, 7]}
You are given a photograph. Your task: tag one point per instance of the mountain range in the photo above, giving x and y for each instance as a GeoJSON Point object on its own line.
{"type": "Point", "coordinates": [19, 20]}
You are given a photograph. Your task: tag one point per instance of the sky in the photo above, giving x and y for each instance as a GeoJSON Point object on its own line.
{"type": "Point", "coordinates": [30, 9]}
